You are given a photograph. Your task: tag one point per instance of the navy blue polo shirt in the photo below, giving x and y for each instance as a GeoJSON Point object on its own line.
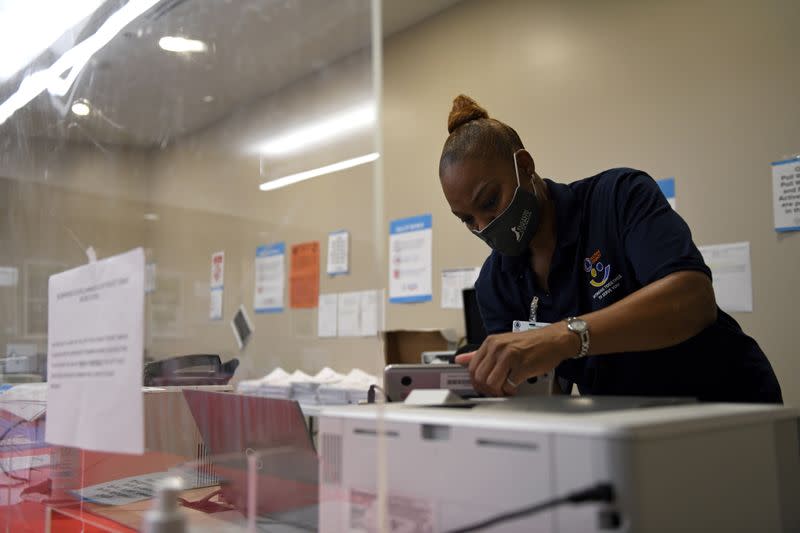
{"type": "Point", "coordinates": [615, 234]}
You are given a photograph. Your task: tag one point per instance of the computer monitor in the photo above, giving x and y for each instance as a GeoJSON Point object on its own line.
{"type": "Point", "coordinates": [473, 322]}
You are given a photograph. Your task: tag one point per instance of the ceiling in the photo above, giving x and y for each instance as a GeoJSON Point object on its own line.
{"type": "Point", "coordinates": [143, 96]}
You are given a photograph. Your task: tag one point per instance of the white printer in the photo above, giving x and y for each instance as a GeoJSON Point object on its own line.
{"type": "Point", "coordinates": [673, 465]}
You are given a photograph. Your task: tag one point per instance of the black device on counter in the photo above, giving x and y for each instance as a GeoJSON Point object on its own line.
{"type": "Point", "coordinates": [196, 369]}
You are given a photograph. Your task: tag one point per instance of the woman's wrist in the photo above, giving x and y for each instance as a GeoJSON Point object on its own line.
{"type": "Point", "coordinates": [567, 343]}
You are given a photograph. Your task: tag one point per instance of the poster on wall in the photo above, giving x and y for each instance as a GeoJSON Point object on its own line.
{"type": "Point", "coordinates": [732, 275]}
{"type": "Point", "coordinates": [358, 313]}
{"type": "Point", "coordinates": [349, 309]}
{"type": "Point", "coordinates": [217, 285]}
{"type": "Point", "coordinates": [270, 275]}
{"type": "Point", "coordinates": [410, 259]}
{"type": "Point", "coordinates": [338, 253]}
{"type": "Point", "coordinates": [454, 281]}
{"type": "Point", "coordinates": [304, 275]}
{"type": "Point", "coordinates": [667, 186]}
{"type": "Point", "coordinates": [786, 194]}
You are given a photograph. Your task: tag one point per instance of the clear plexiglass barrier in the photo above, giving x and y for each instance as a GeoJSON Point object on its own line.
{"type": "Point", "coordinates": [188, 189]}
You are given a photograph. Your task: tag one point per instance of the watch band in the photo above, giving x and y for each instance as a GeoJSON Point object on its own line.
{"type": "Point", "coordinates": [581, 329]}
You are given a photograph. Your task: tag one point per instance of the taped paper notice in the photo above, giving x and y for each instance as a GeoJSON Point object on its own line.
{"type": "Point", "coordinates": [732, 275]}
{"type": "Point", "coordinates": [95, 355]}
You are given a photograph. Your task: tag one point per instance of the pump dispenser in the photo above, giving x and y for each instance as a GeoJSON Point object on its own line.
{"type": "Point", "coordinates": [165, 516]}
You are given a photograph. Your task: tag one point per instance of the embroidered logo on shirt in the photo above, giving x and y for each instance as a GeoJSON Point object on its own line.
{"type": "Point", "coordinates": [600, 276]}
{"type": "Point", "coordinates": [597, 270]}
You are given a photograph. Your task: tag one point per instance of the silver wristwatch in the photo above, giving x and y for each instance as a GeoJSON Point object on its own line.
{"type": "Point", "coordinates": [580, 328]}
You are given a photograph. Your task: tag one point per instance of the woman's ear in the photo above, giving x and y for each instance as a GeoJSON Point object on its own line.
{"type": "Point", "coordinates": [525, 163]}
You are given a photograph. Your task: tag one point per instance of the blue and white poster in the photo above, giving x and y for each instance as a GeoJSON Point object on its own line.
{"type": "Point", "coordinates": [410, 259]}
{"type": "Point", "coordinates": [270, 278]}
{"type": "Point", "coordinates": [667, 186]}
{"type": "Point", "coordinates": [786, 194]}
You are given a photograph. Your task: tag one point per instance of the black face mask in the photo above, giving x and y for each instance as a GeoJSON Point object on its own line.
{"type": "Point", "coordinates": [511, 232]}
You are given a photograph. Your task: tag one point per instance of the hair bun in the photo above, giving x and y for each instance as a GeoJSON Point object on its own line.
{"type": "Point", "coordinates": [464, 110]}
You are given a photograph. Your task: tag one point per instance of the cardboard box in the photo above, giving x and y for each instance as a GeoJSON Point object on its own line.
{"type": "Point", "coordinates": [405, 346]}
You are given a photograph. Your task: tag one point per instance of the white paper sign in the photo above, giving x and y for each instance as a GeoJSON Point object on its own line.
{"type": "Point", "coordinates": [270, 278]}
{"type": "Point", "coordinates": [217, 285]}
{"type": "Point", "coordinates": [349, 314]}
{"type": "Point", "coordinates": [370, 313]}
{"type": "Point", "coordinates": [410, 259]}
{"type": "Point", "coordinates": [95, 352]}
{"type": "Point", "coordinates": [326, 315]}
{"type": "Point", "coordinates": [732, 275]}
{"type": "Point", "coordinates": [786, 194]}
{"type": "Point", "coordinates": [338, 253]}
{"type": "Point", "coordinates": [454, 281]}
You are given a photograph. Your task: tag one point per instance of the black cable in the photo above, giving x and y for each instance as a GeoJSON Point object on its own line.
{"type": "Point", "coordinates": [371, 393]}
{"type": "Point", "coordinates": [602, 492]}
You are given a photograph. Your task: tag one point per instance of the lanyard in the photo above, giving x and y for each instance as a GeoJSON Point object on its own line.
{"type": "Point", "coordinates": [534, 306]}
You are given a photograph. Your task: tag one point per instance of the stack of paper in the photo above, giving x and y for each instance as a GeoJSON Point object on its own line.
{"type": "Point", "coordinates": [276, 384]}
{"type": "Point", "coordinates": [282, 388]}
{"type": "Point", "coordinates": [352, 389]}
{"type": "Point", "coordinates": [305, 391]}
{"type": "Point", "coordinates": [253, 386]}
{"type": "Point", "coordinates": [327, 387]}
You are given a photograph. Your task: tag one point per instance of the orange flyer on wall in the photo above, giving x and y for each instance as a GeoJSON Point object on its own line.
{"type": "Point", "coordinates": [304, 275]}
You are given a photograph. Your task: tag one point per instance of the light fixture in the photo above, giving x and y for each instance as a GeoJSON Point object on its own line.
{"type": "Point", "coordinates": [333, 126]}
{"type": "Point", "coordinates": [182, 44]}
{"type": "Point", "coordinates": [28, 28]}
{"type": "Point", "coordinates": [208, 99]}
{"type": "Point", "coordinates": [71, 63]}
{"type": "Point", "coordinates": [81, 108]}
{"type": "Point", "coordinates": [151, 217]}
{"type": "Point", "coordinates": [308, 174]}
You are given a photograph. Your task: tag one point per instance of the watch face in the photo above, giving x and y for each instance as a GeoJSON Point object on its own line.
{"type": "Point", "coordinates": [577, 325]}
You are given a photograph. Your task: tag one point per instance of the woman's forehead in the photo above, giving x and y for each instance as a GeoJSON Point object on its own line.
{"type": "Point", "coordinates": [469, 172]}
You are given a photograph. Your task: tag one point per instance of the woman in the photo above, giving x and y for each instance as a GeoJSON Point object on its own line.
{"type": "Point", "coordinates": [607, 262]}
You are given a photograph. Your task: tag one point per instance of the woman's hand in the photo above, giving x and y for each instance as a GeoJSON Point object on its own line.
{"type": "Point", "coordinates": [504, 361]}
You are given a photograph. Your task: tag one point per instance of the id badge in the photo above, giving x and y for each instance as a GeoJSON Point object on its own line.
{"type": "Point", "coordinates": [524, 325]}
{"type": "Point", "coordinates": [539, 385]}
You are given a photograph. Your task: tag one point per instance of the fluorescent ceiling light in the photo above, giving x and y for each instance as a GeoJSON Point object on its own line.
{"type": "Point", "coordinates": [73, 60]}
{"type": "Point", "coordinates": [81, 108]}
{"type": "Point", "coordinates": [182, 45]}
{"type": "Point", "coordinates": [308, 174]}
{"type": "Point", "coordinates": [29, 27]}
{"type": "Point", "coordinates": [333, 126]}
